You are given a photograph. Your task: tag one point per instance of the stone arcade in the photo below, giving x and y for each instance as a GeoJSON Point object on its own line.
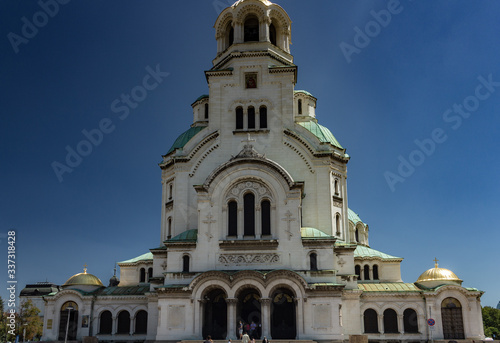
{"type": "Point", "coordinates": [256, 227]}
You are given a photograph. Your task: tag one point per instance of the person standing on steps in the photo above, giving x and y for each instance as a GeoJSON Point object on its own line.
{"type": "Point", "coordinates": [245, 338]}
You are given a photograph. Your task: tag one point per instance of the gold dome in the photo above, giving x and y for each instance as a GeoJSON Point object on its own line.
{"type": "Point", "coordinates": [84, 279]}
{"type": "Point", "coordinates": [438, 274]}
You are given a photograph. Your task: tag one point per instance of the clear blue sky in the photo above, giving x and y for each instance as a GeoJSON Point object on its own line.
{"type": "Point", "coordinates": [400, 86]}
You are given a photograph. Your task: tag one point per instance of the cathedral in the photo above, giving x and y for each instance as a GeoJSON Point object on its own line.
{"type": "Point", "coordinates": [256, 227]}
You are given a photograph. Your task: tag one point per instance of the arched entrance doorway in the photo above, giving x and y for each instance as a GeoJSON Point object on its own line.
{"type": "Point", "coordinates": [69, 311]}
{"type": "Point", "coordinates": [451, 314]}
{"type": "Point", "coordinates": [215, 315]}
{"type": "Point", "coordinates": [283, 321]}
{"type": "Point", "coordinates": [249, 312]}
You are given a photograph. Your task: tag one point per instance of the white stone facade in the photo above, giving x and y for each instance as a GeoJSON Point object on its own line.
{"type": "Point", "coordinates": [255, 221]}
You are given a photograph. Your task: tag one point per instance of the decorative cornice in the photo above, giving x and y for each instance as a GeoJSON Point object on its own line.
{"type": "Point", "coordinates": [258, 244]}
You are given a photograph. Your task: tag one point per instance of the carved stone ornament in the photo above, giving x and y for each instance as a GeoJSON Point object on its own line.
{"type": "Point", "coordinates": [241, 187]}
{"type": "Point", "coordinates": [240, 259]}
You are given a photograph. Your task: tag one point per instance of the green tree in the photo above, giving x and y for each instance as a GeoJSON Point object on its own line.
{"type": "Point", "coordinates": [30, 320]}
{"type": "Point", "coordinates": [491, 322]}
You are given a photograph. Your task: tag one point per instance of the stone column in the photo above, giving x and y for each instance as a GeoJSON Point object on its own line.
{"type": "Point", "coordinates": [258, 221]}
{"type": "Point", "coordinates": [132, 325]}
{"type": "Point", "coordinates": [240, 220]}
{"type": "Point", "coordinates": [265, 308]}
{"type": "Point", "coordinates": [231, 317]}
{"type": "Point", "coordinates": [401, 326]}
{"type": "Point", "coordinates": [238, 32]}
{"type": "Point", "coordinates": [198, 322]}
{"type": "Point", "coordinates": [114, 325]}
{"type": "Point", "coordinates": [381, 323]}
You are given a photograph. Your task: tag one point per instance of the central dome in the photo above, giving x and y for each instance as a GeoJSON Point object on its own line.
{"type": "Point", "coordinates": [438, 276]}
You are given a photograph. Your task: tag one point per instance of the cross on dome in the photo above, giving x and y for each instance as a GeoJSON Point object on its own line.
{"type": "Point", "coordinates": [435, 262]}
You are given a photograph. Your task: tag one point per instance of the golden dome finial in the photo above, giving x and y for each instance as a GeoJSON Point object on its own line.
{"type": "Point", "coordinates": [435, 262]}
{"type": "Point", "coordinates": [85, 268]}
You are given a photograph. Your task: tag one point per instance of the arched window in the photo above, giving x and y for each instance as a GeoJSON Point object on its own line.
{"type": "Point", "coordinates": [232, 218]}
{"type": "Point", "coordinates": [185, 264]}
{"type": "Point", "coordinates": [249, 214]}
{"type": "Point", "coordinates": [169, 229]}
{"type": "Point", "coordinates": [357, 271]}
{"type": "Point", "coordinates": [337, 223]}
{"type": "Point", "coordinates": [300, 106]}
{"type": "Point", "coordinates": [263, 117]}
{"type": "Point", "coordinates": [265, 207]}
{"type": "Point", "coordinates": [251, 117]}
{"type": "Point", "coordinates": [123, 323]}
{"type": "Point", "coordinates": [141, 322]}
{"type": "Point", "coordinates": [366, 270]}
{"type": "Point", "coordinates": [251, 29]}
{"type": "Point", "coordinates": [272, 34]}
{"type": "Point", "coordinates": [357, 235]}
{"type": "Point", "coordinates": [375, 272]}
{"type": "Point", "coordinates": [105, 323]}
{"type": "Point", "coordinates": [142, 276]}
{"type": "Point", "coordinates": [206, 111]}
{"type": "Point", "coordinates": [229, 35]}
{"type": "Point", "coordinates": [410, 321]}
{"type": "Point", "coordinates": [239, 118]}
{"type": "Point", "coordinates": [371, 321]}
{"type": "Point", "coordinates": [313, 261]}
{"type": "Point", "coordinates": [150, 273]}
{"type": "Point", "coordinates": [390, 321]}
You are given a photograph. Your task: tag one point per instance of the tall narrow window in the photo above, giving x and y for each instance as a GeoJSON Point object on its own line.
{"type": "Point", "coordinates": [366, 271]}
{"type": "Point", "coordinates": [251, 30]}
{"type": "Point", "coordinates": [150, 273]}
{"type": "Point", "coordinates": [300, 106]}
{"type": "Point", "coordinates": [185, 264]}
{"type": "Point", "coordinates": [265, 208]}
{"type": "Point", "coordinates": [170, 191]}
{"type": "Point", "coordinates": [169, 229]}
{"type": "Point", "coordinates": [249, 214]}
{"type": "Point", "coordinates": [142, 276]}
{"type": "Point", "coordinates": [390, 321]}
{"type": "Point", "coordinates": [313, 261]}
{"type": "Point", "coordinates": [123, 322]}
{"type": "Point", "coordinates": [357, 271]}
{"type": "Point", "coordinates": [410, 321]}
{"type": "Point", "coordinates": [375, 272]}
{"type": "Point", "coordinates": [337, 223]}
{"type": "Point", "coordinates": [272, 34]}
{"type": "Point", "coordinates": [105, 323]}
{"type": "Point", "coordinates": [141, 322]}
{"type": "Point", "coordinates": [239, 118]}
{"type": "Point", "coordinates": [263, 117]}
{"type": "Point", "coordinates": [251, 117]}
{"type": "Point", "coordinates": [357, 235]}
{"type": "Point", "coordinates": [232, 219]}
{"type": "Point", "coordinates": [229, 35]}
{"type": "Point", "coordinates": [370, 319]}
{"type": "Point", "coordinates": [206, 111]}
{"type": "Point", "coordinates": [337, 187]}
